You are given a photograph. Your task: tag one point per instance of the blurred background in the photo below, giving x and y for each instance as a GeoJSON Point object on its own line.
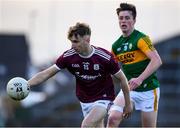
{"type": "Point", "coordinates": [33, 33]}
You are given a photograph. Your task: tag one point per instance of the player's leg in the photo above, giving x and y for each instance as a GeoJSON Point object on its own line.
{"type": "Point", "coordinates": [95, 117]}
{"type": "Point", "coordinates": [149, 119]}
{"type": "Point", "coordinates": [149, 109]}
{"type": "Point", "coordinates": [100, 124]}
{"type": "Point", "coordinates": [116, 111]}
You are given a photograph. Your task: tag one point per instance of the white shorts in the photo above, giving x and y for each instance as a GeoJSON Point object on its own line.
{"type": "Point", "coordinates": [87, 107]}
{"type": "Point", "coordinates": [145, 101]}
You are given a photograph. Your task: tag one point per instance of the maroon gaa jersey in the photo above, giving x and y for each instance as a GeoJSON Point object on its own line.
{"type": "Point", "coordinates": [92, 73]}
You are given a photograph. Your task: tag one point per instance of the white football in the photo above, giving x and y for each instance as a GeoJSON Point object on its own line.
{"type": "Point", "coordinates": [18, 88]}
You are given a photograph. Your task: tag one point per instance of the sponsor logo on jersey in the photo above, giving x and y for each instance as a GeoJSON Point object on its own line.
{"type": "Point", "coordinates": [88, 77]}
{"type": "Point", "coordinates": [75, 65]}
{"type": "Point", "coordinates": [131, 57]}
{"type": "Point", "coordinates": [127, 57]}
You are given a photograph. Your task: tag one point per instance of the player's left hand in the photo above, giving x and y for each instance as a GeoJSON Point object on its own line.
{"type": "Point", "coordinates": [134, 83]}
{"type": "Point", "coordinates": [127, 111]}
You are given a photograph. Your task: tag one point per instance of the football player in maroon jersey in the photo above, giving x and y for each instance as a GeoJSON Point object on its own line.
{"type": "Point", "coordinates": [92, 67]}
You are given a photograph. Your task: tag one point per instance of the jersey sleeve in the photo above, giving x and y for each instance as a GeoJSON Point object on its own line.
{"type": "Point", "coordinates": [114, 66]}
{"type": "Point", "coordinates": [61, 62]}
{"type": "Point", "coordinates": [112, 51]}
{"type": "Point", "coordinates": [145, 44]}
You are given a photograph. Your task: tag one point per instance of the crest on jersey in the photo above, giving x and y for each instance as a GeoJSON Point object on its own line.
{"type": "Point", "coordinates": [96, 66]}
{"type": "Point", "coordinates": [130, 46]}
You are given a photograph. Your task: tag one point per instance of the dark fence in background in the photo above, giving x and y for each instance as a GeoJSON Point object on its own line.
{"type": "Point", "coordinates": [14, 57]}
{"type": "Point", "coordinates": [169, 76]}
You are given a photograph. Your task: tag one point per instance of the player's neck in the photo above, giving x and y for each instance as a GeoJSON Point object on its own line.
{"type": "Point", "coordinates": [87, 51]}
{"type": "Point", "coordinates": [128, 33]}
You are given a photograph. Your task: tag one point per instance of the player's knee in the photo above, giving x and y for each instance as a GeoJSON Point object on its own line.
{"type": "Point", "coordinates": [114, 120]}
{"type": "Point", "coordinates": [88, 123]}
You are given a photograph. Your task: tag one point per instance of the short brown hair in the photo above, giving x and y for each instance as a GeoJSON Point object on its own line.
{"type": "Point", "coordinates": [127, 7]}
{"type": "Point", "coordinates": [80, 29]}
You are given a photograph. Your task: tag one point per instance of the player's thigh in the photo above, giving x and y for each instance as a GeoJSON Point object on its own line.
{"type": "Point", "coordinates": [96, 110]}
{"type": "Point", "coordinates": [119, 100]}
{"type": "Point", "coordinates": [150, 108]}
{"type": "Point", "coordinates": [116, 110]}
{"type": "Point", "coordinates": [100, 124]}
{"type": "Point", "coordinates": [96, 115]}
{"type": "Point", "coordinates": [149, 119]}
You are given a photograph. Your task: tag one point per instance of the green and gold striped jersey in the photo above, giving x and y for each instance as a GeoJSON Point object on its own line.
{"type": "Point", "coordinates": [130, 51]}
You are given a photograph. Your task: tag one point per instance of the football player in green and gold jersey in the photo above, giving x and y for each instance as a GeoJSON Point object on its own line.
{"type": "Point", "coordinates": [140, 60]}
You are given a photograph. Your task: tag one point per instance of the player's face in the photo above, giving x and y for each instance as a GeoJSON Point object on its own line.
{"type": "Point", "coordinates": [126, 22]}
{"type": "Point", "coordinates": [79, 44]}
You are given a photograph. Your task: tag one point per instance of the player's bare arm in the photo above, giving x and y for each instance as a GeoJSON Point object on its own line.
{"type": "Point", "coordinates": [125, 88]}
{"type": "Point", "coordinates": [154, 64]}
{"type": "Point", "coordinates": [43, 76]}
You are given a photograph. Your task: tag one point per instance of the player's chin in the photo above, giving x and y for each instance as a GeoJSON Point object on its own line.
{"type": "Point", "coordinates": [124, 30]}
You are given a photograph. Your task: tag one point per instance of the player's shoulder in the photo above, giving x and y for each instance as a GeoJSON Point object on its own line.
{"type": "Point", "coordinates": [69, 52]}
{"type": "Point", "coordinates": [102, 52]}
{"type": "Point", "coordinates": [143, 37]}
{"type": "Point", "coordinates": [100, 49]}
{"type": "Point", "coordinates": [140, 34]}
